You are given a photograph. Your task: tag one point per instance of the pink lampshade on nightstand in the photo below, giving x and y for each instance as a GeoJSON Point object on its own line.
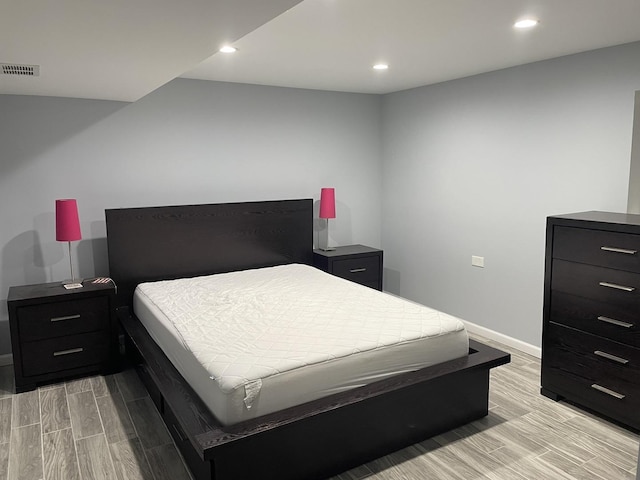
{"type": "Point", "coordinates": [327, 211]}
{"type": "Point", "coordinates": [68, 230]}
{"type": "Point", "coordinates": [328, 203]}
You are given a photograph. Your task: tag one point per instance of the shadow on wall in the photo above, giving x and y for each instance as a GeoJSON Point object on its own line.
{"type": "Point", "coordinates": [30, 114]}
{"type": "Point", "coordinates": [25, 258]}
{"type": "Point", "coordinates": [391, 279]}
{"type": "Point", "coordinates": [340, 228]}
{"type": "Point", "coordinates": [92, 258]}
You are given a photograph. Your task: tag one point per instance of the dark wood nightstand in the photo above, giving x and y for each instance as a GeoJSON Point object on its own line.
{"type": "Point", "coordinates": [58, 333]}
{"type": "Point", "coordinates": [357, 263]}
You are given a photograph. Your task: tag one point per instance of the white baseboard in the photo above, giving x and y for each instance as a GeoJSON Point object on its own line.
{"type": "Point", "coordinates": [492, 335]}
{"type": "Point", "coordinates": [6, 359]}
{"type": "Point", "coordinates": [499, 337]}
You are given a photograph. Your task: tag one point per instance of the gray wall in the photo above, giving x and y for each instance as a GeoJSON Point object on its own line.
{"type": "Point", "coordinates": [470, 167]}
{"type": "Point", "coordinates": [633, 202]}
{"type": "Point", "coordinates": [473, 167]}
{"type": "Point", "coordinates": [188, 142]}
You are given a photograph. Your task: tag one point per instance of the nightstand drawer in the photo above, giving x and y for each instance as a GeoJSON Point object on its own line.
{"type": "Point", "coordinates": [358, 263]}
{"type": "Point", "coordinates": [598, 247]}
{"type": "Point", "coordinates": [62, 353]}
{"type": "Point", "coordinates": [599, 318]}
{"type": "Point", "coordinates": [62, 318]}
{"type": "Point", "coordinates": [360, 270]}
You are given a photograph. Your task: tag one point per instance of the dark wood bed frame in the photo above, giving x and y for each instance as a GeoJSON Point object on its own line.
{"type": "Point", "coordinates": [310, 441]}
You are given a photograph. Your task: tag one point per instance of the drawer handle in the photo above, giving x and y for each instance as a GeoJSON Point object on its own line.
{"type": "Point", "coordinates": [68, 352]}
{"type": "Point", "coordinates": [602, 389]}
{"type": "Point", "coordinates": [67, 317]}
{"type": "Point", "coordinates": [608, 356]}
{"type": "Point", "coordinates": [613, 321]}
{"type": "Point", "coordinates": [619, 250]}
{"type": "Point", "coordinates": [357, 270]}
{"type": "Point", "coordinates": [617, 287]}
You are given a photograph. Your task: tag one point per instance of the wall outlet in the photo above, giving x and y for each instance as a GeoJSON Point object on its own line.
{"type": "Point", "coordinates": [477, 261]}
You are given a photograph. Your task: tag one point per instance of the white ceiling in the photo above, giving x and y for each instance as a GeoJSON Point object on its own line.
{"type": "Point", "coordinates": [124, 49]}
{"type": "Point", "coordinates": [332, 44]}
{"type": "Point", "coordinates": [118, 49]}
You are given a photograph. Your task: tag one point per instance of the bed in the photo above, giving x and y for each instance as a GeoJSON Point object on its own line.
{"type": "Point", "coordinates": [315, 439]}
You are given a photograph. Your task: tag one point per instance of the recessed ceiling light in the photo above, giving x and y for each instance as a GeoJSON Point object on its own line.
{"type": "Point", "coordinates": [228, 49]}
{"type": "Point", "coordinates": [381, 66]}
{"type": "Point", "coordinates": [526, 23]}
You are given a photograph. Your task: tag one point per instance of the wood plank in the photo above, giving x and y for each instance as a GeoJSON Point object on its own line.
{"type": "Point", "coordinates": [25, 453]}
{"type": "Point", "coordinates": [148, 424]}
{"type": "Point", "coordinates": [94, 459]}
{"type": "Point", "coordinates": [78, 385]}
{"type": "Point", "coordinates": [54, 409]}
{"type": "Point", "coordinates": [130, 385]}
{"type": "Point", "coordinates": [26, 409]}
{"type": "Point", "coordinates": [104, 385]}
{"type": "Point", "coordinates": [406, 463]}
{"type": "Point", "coordinates": [528, 465]}
{"type": "Point", "coordinates": [4, 460]}
{"type": "Point", "coordinates": [167, 464]}
{"type": "Point", "coordinates": [85, 419]}
{"type": "Point", "coordinates": [5, 419]}
{"type": "Point", "coordinates": [115, 418]}
{"type": "Point", "coordinates": [60, 461]}
{"type": "Point", "coordinates": [130, 461]}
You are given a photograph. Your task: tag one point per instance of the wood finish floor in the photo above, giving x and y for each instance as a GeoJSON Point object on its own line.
{"type": "Point", "coordinates": [107, 428]}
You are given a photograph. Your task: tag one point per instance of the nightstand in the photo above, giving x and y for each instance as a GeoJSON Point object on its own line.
{"type": "Point", "coordinates": [58, 333]}
{"type": "Point", "coordinates": [358, 263]}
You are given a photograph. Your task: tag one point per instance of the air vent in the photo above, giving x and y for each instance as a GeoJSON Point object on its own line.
{"type": "Point", "coordinates": [21, 70]}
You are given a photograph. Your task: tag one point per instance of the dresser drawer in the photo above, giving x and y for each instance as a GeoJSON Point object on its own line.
{"type": "Point", "coordinates": [592, 357]}
{"type": "Point", "coordinates": [599, 318]}
{"type": "Point", "coordinates": [597, 247]}
{"type": "Point", "coordinates": [602, 284]}
{"type": "Point", "coordinates": [572, 369]}
{"type": "Point", "coordinates": [599, 395]}
{"type": "Point", "coordinates": [62, 318]}
{"type": "Point", "coordinates": [62, 353]}
{"type": "Point", "coordinates": [361, 270]}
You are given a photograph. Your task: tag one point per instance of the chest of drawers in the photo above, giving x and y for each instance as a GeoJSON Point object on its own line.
{"type": "Point", "coordinates": [358, 263]}
{"type": "Point", "coordinates": [58, 333]}
{"type": "Point", "coordinates": [591, 336]}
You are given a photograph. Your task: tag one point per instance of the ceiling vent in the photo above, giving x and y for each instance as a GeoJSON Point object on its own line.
{"type": "Point", "coordinates": [20, 70]}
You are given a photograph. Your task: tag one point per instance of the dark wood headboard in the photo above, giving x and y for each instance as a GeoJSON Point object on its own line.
{"type": "Point", "coordinates": [158, 243]}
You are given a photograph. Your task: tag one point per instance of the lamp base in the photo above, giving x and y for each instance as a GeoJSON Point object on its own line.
{"type": "Point", "coordinates": [71, 284]}
{"type": "Point", "coordinates": [323, 238]}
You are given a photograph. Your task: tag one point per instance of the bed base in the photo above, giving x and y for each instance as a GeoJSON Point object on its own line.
{"type": "Point", "coordinates": [320, 438]}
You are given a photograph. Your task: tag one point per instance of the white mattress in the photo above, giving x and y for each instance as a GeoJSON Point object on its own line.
{"type": "Point", "coordinates": [257, 341]}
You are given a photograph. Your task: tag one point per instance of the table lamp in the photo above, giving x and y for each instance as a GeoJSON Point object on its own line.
{"type": "Point", "coordinates": [327, 211]}
{"type": "Point", "coordinates": [68, 230]}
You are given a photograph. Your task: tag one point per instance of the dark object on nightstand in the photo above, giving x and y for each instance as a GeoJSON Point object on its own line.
{"type": "Point", "coordinates": [357, 263]}
{"type": "Point", "coordinates": [58, 333]}
{"type": "Point", "coordinates": [591, 336]}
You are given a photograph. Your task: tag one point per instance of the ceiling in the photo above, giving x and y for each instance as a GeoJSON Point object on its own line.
{"type": "Point", "coordinates": [122, 50]}
{"type": "Point", "coordinates": [118, 49]}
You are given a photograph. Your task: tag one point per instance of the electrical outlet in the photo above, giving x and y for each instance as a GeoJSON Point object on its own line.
{"type": "Point", "coordinates": [477, 261]}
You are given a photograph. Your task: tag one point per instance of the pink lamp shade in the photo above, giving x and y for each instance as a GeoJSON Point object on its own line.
{"type": "Point", "coordinates": [67, 221]}
{"type": "Point", "coordinates": [327, 203]}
